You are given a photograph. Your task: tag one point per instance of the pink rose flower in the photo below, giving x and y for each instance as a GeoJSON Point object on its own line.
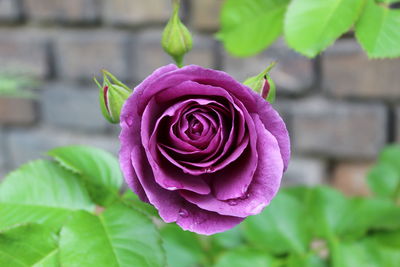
{"type": "Point", "coordinates": [202, 148]}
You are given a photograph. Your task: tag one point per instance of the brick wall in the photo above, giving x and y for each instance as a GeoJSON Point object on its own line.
{"type": "Point", "coordinates": [340, 108]}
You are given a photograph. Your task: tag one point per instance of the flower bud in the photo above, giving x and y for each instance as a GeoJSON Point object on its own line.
{"type": "Point", "coordinates": [176, 38]}
{"type": "Point", "coordinates": [112, 96]}
{"type": "Point", "coordinates": [263, 84]}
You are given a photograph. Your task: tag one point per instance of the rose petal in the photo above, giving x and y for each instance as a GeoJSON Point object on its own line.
{"type": "Point", "coordinates": [197, 74]}
{"type": "Point", "coordinates": [172, 207]}
{"type": "Point", "coordinates": [205, 222]}
{"type": "Point", "coordinates": [166, 175]}
{"type": "Point", "coordinates": [263, 188]}
{"type": "Point", "coordinates": [194, 88]}
{"type": "Point", "coordinates": [234, 179]}
{"type": "Point", "coordinates": [168, 203]}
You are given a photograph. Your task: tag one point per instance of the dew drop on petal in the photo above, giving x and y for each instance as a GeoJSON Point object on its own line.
{"type": "Point", "coordinates": [173, 185]}
{"type": "Point", "coordinates": [183, 213]}
{"type": "Point", "coordinates": [232, 202]}
{"type": "Point", "coordinates": [172, 188]}
{"type": "Point", "coordinates": [244, 189]}
{"type": "Point", "coordinates": [129, 121]}
{"type": "Point", "coordinates": [208, 170]}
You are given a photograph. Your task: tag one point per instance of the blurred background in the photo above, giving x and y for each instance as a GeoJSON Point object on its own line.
{"type": "Point", "coordinates": [340, 108]}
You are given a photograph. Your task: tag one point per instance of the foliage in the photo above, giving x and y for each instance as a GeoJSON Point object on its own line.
{"type": "Point", "coordinates": [309, 26]}
{"type": "Point", "coordinates": [51, 215]}
{"type": "Point", "coordinates": [308, 227]}
{"type": "Point", "coordinates": [68, 212]}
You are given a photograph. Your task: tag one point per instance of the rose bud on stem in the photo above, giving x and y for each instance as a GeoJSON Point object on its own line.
{"type": "Point", "coordinates": [112, 95]}
{"type": "Point", "coordinates": [176, 38]}
{"type": "Point", "coordinates": [263, 84]}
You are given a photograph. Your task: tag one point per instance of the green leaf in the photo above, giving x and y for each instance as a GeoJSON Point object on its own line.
{"type": "Point", "coordinates": [378, 31]}
{"type": "Point", "coordinates": [391, 155]}
{"type": "Point", "coordinates": [302, 193]}
{"type": "Point", "coordinates": [383, 179]}
{"type": "Point", "coordinates": [131, 199]}
{"type": "Point", "coordinates": [350, 255]}
{"type": "Point", "coordinates": [248, 27]}
{"type": "Point", "coordinates": [334, 215]}
{"type": "Point", "coordinates": [28, 245]}
{"type": "Point", "coordinates": [364, 253]}
{"type": "Point", "coordinates": [99, 169]}
{"type": "Point", "coordinates": [388, 238]}
{"type": "Point", "coordinates": [118, 237]}
{"type": "Point", "coordinates": [308, 260]}
{"type": "Point", "coordinates": [183, 248]}
{"type": "Point", "coordinates": [229, 239]}
{"type": "Point", "coordinates": [42, 192]}
{"type": "Point", "coordinates": [281, 228]}
{"type": "Point", "coordinates": [311, 26]}
{"type": "Point", "coordinates": [378, 214]}
{"type": "Point", "coordinates": [245, 257]}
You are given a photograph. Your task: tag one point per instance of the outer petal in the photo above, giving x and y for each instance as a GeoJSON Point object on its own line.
{"type": "Point", "coordinates": [130, 133]}
{"type": "Point", "coordinates": [262, 190]}
{"type": "Point", "coordinates": [205, 222]}
{"type": "Point", "coordinates": [197, 74]}
{"type": "Point", "coordinates": [172, 207]}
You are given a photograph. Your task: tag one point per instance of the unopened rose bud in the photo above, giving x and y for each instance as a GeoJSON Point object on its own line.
{"type": "Point", "coordinates": [112, 96]}
{"type": "Point", "coordinates": [263, 84]}
{"type": "Point", "coordinates": [176, 38]}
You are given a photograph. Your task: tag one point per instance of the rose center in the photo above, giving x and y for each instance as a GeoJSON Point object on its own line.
{"type": "Point", "coordinates": [195, 127]}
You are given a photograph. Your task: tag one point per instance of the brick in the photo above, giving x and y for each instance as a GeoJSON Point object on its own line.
{"type": "Point", "coordinates": [205, 14]}
{"type": "Point", "coordinates": [138, 12]}
{"type": "Point", "coordinates": [284, 107]}
{"type": "Point", "coordinates": [293, 74]}
{"type": "Point", "coordinates": [149, 54]}
{"type": "Point", "coordinates": [349, 73]}
{"type": "Point", "coordinates": [351, 178]}
{"type": "Point", "coordinates": [30, 144]}
{"type": "Point", "coordinates": [9, 11]}
{"type": "Point", "coordinates": [305, 171]}
{"type": "Point", "coordinates": [82, 54]}
{"type": "Point", "coordinates": [70, 106]}
{"type": "Point", "coordinates": [17, 111]}
{"type": "Point", "coordinates": [23, 52]}
{"type": "Point", "coordinates": [61, 11]}
{"type": "Point", "coordinates": [338, 129]}
{"type": "Point", "coordinates": [397, 129]}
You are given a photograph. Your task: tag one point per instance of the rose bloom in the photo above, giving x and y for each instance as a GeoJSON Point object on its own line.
{"type": "Point", "coordinates": [202, 148]}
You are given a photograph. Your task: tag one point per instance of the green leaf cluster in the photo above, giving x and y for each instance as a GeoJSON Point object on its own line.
{"type": "Point", "coordinates": [69, 212]}
{"type": "Point", "coordinates": [310, 26]}
{"type": "Point", "coordinates": [307, 227]}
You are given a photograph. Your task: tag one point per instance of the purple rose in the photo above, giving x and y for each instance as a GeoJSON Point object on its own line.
{"type": "Point", "coordinates": [202, 148]}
